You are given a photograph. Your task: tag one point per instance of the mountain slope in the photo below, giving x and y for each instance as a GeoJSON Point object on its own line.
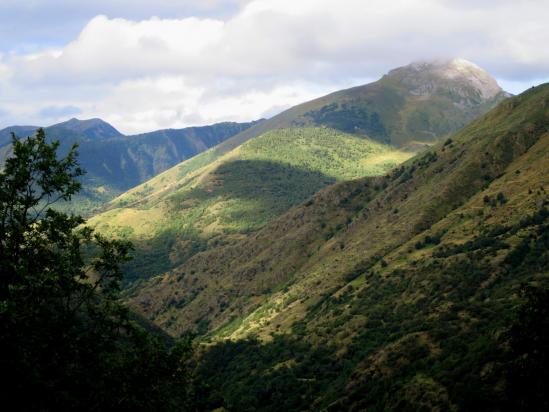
{"type": "Point", "coordinates": [411, 106]}
{"type": "Point", "coordinates": [115, 163]}
{"type": "Point", "coordinates": [128, 161]}
{"type": "Point", "coordinates": [5, 134]}
{"type": "Point", "coordinates": [186, 210]}
{"type": "Point", "coordinates": [444, 94]}
{"type": "Point", "coordinates": [5, 138]}
{"type": "Point", "coordinates": [414, 104]}
{"type": "Point", "coordinates": [396, 285]}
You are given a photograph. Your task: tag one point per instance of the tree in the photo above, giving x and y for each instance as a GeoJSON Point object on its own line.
{"type": "Point", "coordinates": [528, 369]}
{"type": "Point", "coordinates": [66, 342]}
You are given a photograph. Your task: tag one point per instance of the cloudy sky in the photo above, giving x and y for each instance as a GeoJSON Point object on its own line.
{"type": "Point", "coordinates": [143, 65]}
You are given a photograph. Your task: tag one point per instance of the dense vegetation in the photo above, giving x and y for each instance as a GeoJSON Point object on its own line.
{"type": "Point", "coordinates": [423, 289]}
{"type": "Point", "coordinates": [420, 290]}
{"type": "Point", "coordinates": [200, 205]}
{"type": "Point", "coordinates": [214, 205]}
{"type": "Point", "coordinates": [67, 343]}
{"type": "Point", "coordinates": [289, 373]}
{"type": "Point", "coordinates": [350, 118]}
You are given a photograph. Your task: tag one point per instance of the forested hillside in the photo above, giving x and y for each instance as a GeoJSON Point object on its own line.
{"type": "Point", "coordinates": [203, 204]}
{"type": "Point", "coordinates": [213, 199]}
{"type": "Point", "coordinates": [387, 293]}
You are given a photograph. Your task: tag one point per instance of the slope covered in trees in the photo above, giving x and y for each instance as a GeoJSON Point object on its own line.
{"type": "Point", "coordinates": [386, 293]}
{"type": "Point", "coordinates": [214, 199]}
{"type": "Point", "coordinates": [200, 204]}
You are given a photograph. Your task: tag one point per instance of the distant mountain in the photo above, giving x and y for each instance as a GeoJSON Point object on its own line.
{"type": "Point", "coordinates": [411, 105]}
{"type": "Point", "coordinates": [93, 129]}
{"type": "Point", "coordinates": [5, 138]}
{"type": "Point", "coordinates": [5, 134]}
{"type": "Point", "coordinates": [385, 293]}
{"type": "Point", "coordinates": [115, 163]}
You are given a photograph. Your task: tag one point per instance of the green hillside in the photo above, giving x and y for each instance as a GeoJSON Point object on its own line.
{"type": "Point", "coordinates": [411, 106]}
{"type": "Point", "coordinates": [202, 204]}
{"type": "Point", "coordinates": [385, 293]}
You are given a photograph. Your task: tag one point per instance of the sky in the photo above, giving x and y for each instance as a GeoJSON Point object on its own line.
{"type": "Point", "coordinates": [147, 65]}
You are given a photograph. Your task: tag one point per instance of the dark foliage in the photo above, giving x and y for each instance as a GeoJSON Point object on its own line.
{"type": "Point", "coordinates": [528, 372]}
{"type": "Point", "coordinates": [351, 118]}
{"type": "Point", "coordinates": [66, 341]}
{"type": "Point", "coordinates": [457, 349]}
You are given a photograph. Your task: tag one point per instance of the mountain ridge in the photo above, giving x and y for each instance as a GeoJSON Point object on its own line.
{"type": "Point", "coordinates": [204, 202]}
{"type": "Point", "coordinates": [466, 180]}
{"type": "Point", "coordinates": [94, 128]}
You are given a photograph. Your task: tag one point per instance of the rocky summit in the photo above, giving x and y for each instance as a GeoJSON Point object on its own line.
{"type": "Point", "coordinates": [459, 76]}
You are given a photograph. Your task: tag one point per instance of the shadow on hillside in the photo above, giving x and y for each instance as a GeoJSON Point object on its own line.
{"type": "Point", "coordinates": [250, 193]}
{"type": "Point", "coordinates": [291, 374]}
{"type": "Point", "coordinates": [277, 186]}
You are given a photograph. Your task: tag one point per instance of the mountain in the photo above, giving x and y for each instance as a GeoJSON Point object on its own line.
{"type": "Point", "coordinates": [115, 163]}
{"type": "Point", "coordinates": [94, 129]}
{"type": "Point", "coordinates": [5, 138]}
{"type": "Point", "coordinates": [215, 197]}
{"type": "Point", "coordinates": [410, 106]}
{"type": "Point", "coordinates": [203, 202]}
{"type": "Point", "coordinates": [123, 162]}
{"type": "Point", "coordinates": [5, 134]}
{"type": "Point", "coordinates": [384, 293]}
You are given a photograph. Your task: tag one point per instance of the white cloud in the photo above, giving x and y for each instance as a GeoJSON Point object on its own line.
{"type": "Point", "coordinates": [160, 72]}
{"type": "Point", "coordinates": [171, 102]}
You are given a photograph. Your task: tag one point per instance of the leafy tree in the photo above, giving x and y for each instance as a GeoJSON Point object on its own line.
{"type": "Point", "coordinates": [528, 373]}
{"type": "Point", "coordinates": [66, 342]}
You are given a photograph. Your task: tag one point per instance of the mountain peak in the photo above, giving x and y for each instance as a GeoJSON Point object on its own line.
{"type": "Point", "coordinates": [92, 128]}
{"type": "Point", "coordinates": [456, 75]}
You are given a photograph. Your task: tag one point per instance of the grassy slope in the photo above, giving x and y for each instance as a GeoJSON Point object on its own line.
{"type": "Point", "coordinates": [401, 284]}
{"type": "Point", "coordinates": [201, 204]}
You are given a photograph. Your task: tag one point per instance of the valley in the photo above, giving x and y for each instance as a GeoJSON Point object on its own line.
{"type": "Point", "coordinates": [236, 187]}
{"type": "Point", "coordinates": [367, 250]}
{"type": "Point", "coordinates": [274, 206]}
{"type": "Point", "coordinates": [191, 208]}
